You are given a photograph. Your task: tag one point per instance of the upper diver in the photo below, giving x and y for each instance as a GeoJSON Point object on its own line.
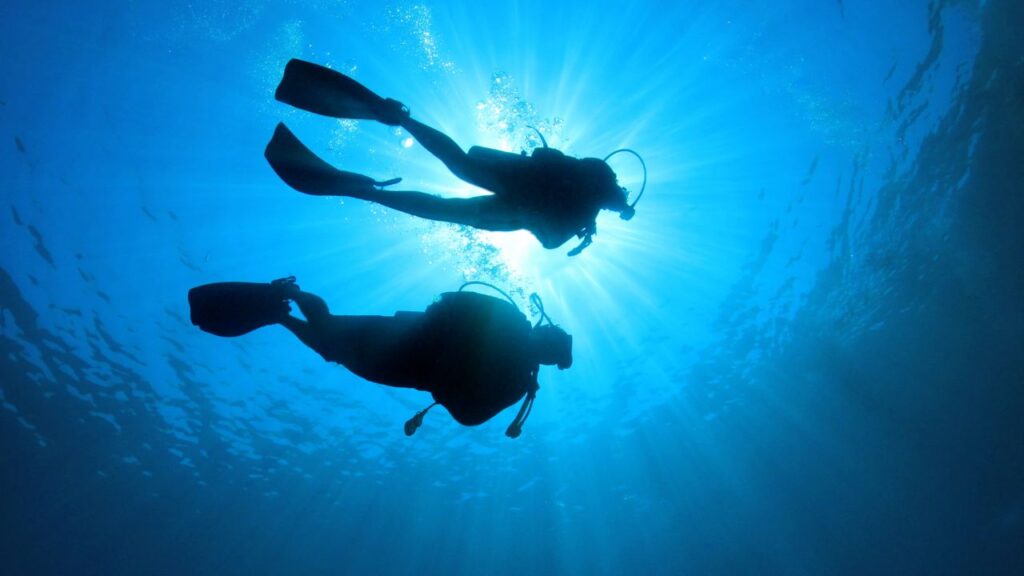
{"type": "Point", "coordinates": [476, 354]}
{"type": "Point", "coordinates": [553, 196]}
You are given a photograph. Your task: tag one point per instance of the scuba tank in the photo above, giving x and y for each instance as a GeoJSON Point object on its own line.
{"type": "Point", "coordinates": [515, 428]}
{"type": "Point", "coordinates": [627, 213]}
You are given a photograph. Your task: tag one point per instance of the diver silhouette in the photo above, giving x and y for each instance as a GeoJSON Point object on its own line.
{"type": "Point", "coordinates": [553, 196]}
{"type": "Point", "coordinates": [476, 354]}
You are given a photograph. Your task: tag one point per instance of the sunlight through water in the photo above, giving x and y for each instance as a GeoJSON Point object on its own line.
{"type": "Point", "coordinates": [801, 356]}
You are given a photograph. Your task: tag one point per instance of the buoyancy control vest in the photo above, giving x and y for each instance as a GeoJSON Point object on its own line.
{"type": "Point", "coordinates": [482, 363]}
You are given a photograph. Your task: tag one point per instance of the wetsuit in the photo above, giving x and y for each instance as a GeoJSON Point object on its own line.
{"type": "Point", "coordinates": [470, 351]}
{"type": "Point", "coordinates": [553, 192]}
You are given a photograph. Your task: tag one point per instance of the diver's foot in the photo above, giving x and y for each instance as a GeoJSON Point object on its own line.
{"type": "Point", "coordinates": [392, 112]}
{"type": "Point", "coordinates": [380, 184]}
{"type": "Point", "coordinates": [364, 187]}
{"type": "Point", "coordinates": [286, 287]}
{"type": "Point", "coordinates": [349, 184]}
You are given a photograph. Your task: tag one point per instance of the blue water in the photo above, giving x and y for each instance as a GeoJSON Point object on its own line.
{"type": "Point", "coordinates": [805, 355]}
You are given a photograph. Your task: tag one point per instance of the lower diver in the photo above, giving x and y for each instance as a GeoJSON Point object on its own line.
{"type": "Point", "coordinates": [476, 354]}
{"type": "Point", "coordinates": [553, 196]}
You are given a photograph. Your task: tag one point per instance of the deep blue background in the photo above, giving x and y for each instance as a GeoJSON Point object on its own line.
{"type": "Point", "coordinates": [803, 356]}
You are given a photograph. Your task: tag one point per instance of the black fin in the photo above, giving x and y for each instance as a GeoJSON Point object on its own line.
{"type": "Point", "coordinates": [321, 90]}
{"type": "Point", "coordinates": [236, 308]}
{"type": "Point", "coordinates": [304, 171]}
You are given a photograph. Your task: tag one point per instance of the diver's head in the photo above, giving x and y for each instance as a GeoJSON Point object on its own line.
{"type": "Point", "coordinates": [602, 179]}
{"type": "Point", "coordinates": [551, 346]}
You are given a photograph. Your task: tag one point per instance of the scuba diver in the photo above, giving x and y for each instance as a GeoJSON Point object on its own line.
{"type": "Point", "coordinates": [475, 354]}
{"type": "Point", "coordinates": [553, 196]}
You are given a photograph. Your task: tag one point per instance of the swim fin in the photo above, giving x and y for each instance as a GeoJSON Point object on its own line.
{"type": "Point", "coordinates": [304, 171]}
{"type": "Point", "coordinates": [321, 90]}
{"type": "Point", "coordinates": [236, 308]}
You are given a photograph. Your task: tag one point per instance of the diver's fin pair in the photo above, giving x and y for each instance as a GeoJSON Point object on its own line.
{"type": "Point", "coordinates": [321, 90]}
{"type": "Point", "coordinates": [236, 308]}
{"type": "Point", "coordinates": [304, 171]}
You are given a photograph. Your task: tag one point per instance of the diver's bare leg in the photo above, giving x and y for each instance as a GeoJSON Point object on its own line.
{"type": "Point", "coordinates": [371, 347]}
{"type": "Point", "coordinates": [446, 150]}
{"type": "Point", "coordinates": [313, 307]}
{"type": "Point", "coordinates": [313, 330]}
{"type": "Point", "coordinates": [484, 212]}
{"type": "Point", "coordinates": [303, 331]}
